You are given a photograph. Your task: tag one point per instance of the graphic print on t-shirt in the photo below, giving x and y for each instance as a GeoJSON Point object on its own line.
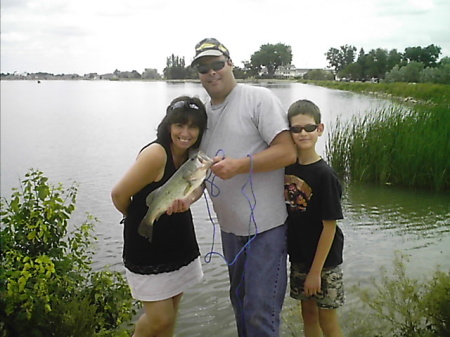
{"type": "Point", "coordinates": [297, 193]}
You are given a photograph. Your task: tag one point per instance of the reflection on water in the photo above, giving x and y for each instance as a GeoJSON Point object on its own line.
{"type": "Point", "coordinates": [383, 219]}
{"type": "Point", "coordinates": [378, 222]}
{"type": "Point", "coordinates": [413, 213]}
{"type": "Point", "coordinates": [90, 132]}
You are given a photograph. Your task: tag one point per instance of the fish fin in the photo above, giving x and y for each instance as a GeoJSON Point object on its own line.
{"type": "Point", "coordinates": [151, 196]}
{"type": "Point", "coordinates": [189, 176]}
{"type": "Point", "coordinates": [186, 176]}
{"type": "Point", "coordinates": [146, 228]}
{"type": "Point", "coordinates": [186, 190]}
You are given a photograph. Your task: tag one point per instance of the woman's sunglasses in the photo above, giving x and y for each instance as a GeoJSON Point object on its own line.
{"type": "Point", "coordinates": [205, 68]}
{"type": "Point", "coordinates": [307, 128]}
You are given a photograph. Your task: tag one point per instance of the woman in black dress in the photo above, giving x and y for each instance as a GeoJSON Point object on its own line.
{"type": "Point", "coordinates": [158, 271]}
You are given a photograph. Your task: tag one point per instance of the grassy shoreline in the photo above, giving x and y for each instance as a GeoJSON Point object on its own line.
{"type": "Point", "coordinates": [423, 92]}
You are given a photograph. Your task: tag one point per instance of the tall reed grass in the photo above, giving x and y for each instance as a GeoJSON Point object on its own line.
{"type": "Point", "coordinates": [394, 146]}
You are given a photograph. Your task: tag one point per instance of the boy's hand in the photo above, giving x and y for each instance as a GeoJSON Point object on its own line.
{"type": "Point", "coordinates": [313, 283]}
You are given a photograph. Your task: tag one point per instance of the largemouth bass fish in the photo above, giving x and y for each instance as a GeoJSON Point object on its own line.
{"type": "Point", "coordinates": [185, 180]}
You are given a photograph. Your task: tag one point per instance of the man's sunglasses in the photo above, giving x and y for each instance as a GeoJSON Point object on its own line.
{"type": "Point", "coordinates": [205, 68]}
{"type": "Point", "coordinates": [307, 128]}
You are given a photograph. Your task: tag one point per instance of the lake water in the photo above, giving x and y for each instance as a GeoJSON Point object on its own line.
{"type": "Point", "coordinates": [91, 131]}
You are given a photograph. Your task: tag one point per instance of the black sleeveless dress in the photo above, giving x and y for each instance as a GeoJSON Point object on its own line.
{"type": "Point", "coordinates": [174, 243]}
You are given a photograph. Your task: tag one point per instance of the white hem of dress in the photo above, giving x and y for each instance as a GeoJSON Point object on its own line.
{"type": "Point", "coordinates": [158, 287]}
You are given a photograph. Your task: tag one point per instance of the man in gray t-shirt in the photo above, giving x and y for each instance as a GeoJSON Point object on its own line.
{"type": "Point", "coordinates": [247, 134]}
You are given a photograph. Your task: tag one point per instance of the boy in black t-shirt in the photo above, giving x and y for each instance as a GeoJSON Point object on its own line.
{"type": "Point", "coordinates": [315, 242]}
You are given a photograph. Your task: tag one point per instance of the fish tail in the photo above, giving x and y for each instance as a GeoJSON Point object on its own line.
{"type": "Point", "coordinates": [146, 229]}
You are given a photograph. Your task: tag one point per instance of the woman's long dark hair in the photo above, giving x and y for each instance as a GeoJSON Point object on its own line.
{"type": "Point", "coordinates": [183, 110]}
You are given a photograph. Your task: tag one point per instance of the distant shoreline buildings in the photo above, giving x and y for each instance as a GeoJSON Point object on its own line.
{"type": "Point", "coordinates": [283, 72]}
{"type": "Point", "coordinates": [116, 75]}
{"type": "Point", "coordinates": [291, 71]}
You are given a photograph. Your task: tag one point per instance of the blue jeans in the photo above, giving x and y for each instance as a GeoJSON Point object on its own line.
{"type": "Point", "coordinates": [258, 281]}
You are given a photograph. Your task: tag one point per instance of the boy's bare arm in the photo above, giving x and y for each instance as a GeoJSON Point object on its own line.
{"type": "Point", "coordinates": [313, 281]}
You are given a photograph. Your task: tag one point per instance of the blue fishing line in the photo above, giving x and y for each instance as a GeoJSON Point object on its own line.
{"type": "Point", "coordinates": [252, 205]}
{"type": "Point", "coordinates": [212, 193]}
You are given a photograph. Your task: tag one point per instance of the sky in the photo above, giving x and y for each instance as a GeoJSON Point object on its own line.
{"type": "Point", "coordinates": [100, 36]}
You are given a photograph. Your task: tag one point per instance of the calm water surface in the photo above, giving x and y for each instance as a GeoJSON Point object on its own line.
{"type": "Point", "coordinates": [91, 131]}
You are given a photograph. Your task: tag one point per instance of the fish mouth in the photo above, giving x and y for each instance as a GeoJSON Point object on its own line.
{"type": "Point", "coordinates": [204, 159]}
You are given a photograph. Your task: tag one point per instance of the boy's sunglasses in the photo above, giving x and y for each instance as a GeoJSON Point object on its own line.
{"type": "Point", "coordinates": [205, 68]}
{"type": "Point", "coordinates": [307, 128]}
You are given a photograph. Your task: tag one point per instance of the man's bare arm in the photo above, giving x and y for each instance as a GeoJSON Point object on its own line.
{"type": "Point", "coordinates": [279, 154]}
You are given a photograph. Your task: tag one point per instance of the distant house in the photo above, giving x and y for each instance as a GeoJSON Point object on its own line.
{"type": "Point", "coordinates": [91, 76]}
{"type": "Point", "coordinates": [290, 71]}
{"type": "Point", "coordinates": [109, 76]}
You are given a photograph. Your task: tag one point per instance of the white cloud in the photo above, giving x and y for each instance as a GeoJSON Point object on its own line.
{"type": "Point", "coordinates": [103, 35]}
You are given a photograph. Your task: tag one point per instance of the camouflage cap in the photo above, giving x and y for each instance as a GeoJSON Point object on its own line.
{"type": "Point", "coordinates": [209, 47]}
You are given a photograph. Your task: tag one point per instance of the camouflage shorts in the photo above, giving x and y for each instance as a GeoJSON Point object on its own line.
{"type": "Point", "coordinates": [332, 288]}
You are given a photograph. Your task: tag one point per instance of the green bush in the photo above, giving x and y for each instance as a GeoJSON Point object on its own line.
{"type": "Point", "coordinates": [409, 73]}
{"type": "Point", "coordinates": [437, 303]}
{"type": "Point", "coordinates": [319, 75]}
{"type": "Point", "coordinates": [47, 286]}
{"type": "Point", "coordinates": [400, 306]}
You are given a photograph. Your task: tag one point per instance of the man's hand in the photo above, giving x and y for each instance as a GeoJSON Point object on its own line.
{"type": "Point", "coordinates": [226, 168]}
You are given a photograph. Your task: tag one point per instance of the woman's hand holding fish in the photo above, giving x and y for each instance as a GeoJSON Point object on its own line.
{"type": "Point", "coordinates": [179, 206]}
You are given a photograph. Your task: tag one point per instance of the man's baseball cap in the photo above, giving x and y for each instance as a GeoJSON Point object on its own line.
{"type": "Point", "coordinates": [209, 47]}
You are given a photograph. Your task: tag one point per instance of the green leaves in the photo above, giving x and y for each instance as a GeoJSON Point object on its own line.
{"type": "Point", "coordinates": [47, 282]}
{"type": "Point", "coordinates": [401, 306]}
{"type": "Point", "coordinates": [272, 56]}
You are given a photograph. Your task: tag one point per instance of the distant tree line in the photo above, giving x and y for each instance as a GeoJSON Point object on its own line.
{"type": "Point", "coordinates": [415, 64]}
{"type": "Point", "coordinates": [148, 74]}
